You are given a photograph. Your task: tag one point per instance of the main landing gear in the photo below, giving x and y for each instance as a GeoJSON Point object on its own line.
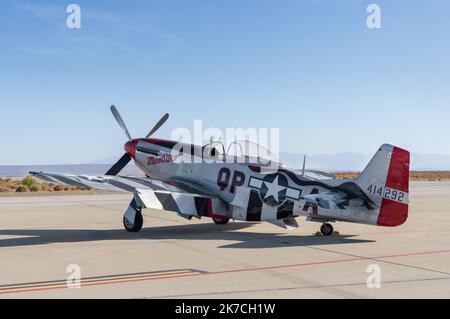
{"type": "Point", "coordinates": [132, 220]}
{"type": "Point", "coordinates": [136, 226]}
{"type": "Point", "coordinates": [327, 229]}
{"type": "Point", "coordinates": [221, 221]}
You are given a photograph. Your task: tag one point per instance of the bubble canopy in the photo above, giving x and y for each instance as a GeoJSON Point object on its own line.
{"type": "Point", "coordinates": [249, 152]}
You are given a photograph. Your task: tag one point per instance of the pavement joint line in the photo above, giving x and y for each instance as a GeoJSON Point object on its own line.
{"type": "Point", "coordinates": [357, 256]}
{"type": "Point", "coordinates": [325, 262]}
{"type": "Point", "coordinates": [198, 273]}
{"type": "Point", "coordinates": [389, 282]}
{"type": "Point", "coordinates": [386, 261]}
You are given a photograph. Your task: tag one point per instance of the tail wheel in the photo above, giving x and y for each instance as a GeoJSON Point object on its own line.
{"type": "Point", "coordinates": [221, 221]}
{"type": "Point", "coordinates": [327, 229]}
{"type": "Point", "coordinates": [136, 226]}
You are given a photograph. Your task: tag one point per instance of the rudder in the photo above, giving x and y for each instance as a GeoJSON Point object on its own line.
{"type": "Point", "coordinates": [386, 181]}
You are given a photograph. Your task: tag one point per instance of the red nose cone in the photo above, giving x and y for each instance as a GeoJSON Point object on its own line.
{"type": "Point", "coordinates": [130, 148]}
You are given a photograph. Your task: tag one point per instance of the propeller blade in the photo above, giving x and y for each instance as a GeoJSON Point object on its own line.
{"type": "Point", "coordinates": [121, 163]}
{"type": "Point", "coordinates": [120, 121]}
{"type": "Point", "coordinates": [158, 125]}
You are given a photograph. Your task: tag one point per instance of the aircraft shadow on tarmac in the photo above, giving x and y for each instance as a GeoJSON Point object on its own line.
{"type": "Point", "coordinates": [253, 240]}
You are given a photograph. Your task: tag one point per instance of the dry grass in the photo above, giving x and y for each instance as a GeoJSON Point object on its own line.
{"type": "Point", "coordinates": [347, 175]}
{"type": "Point", "coordinates": [30, 184]}
{"type": "Point", "coordinates": [430, 176]}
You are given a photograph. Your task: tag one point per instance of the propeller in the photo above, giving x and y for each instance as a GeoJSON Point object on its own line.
{"type": "Point", "coordinates": [158, 125]}
{"type": "Point", "coordinates": [126, 158]}
{"type": "Point", "coordinates": [120, 164]}
{"type": "Point", "coordinates": [120, 121]}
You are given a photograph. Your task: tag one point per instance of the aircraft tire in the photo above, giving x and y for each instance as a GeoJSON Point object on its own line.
{"type": "Point", "coordinates": [222, 221]}
{"type": "Point", "coordinates": [137, 226]}
{"type": "Point", "coordinates": [327, 229]}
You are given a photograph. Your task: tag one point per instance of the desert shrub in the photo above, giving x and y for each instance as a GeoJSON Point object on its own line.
{"type": "Point", "coordinates": [44, 187]}
{"type": "Point", "coordinates": [5, 181]}
{"type": "Point", "coordinates": [58, 188]}
{"type": "Point", "coordinates": [35, 188]}
{"type": "Point", "coordinates": [22, 189]}
{"type": "Point", "coordinates": [4, 189]}
{"type": "Point", "coordinates": [29, 181]}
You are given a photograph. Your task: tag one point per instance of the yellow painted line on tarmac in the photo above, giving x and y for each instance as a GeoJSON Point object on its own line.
{"type": "Point", "coordinates": [100, 280]}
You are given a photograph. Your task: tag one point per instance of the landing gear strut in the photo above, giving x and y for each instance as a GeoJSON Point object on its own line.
{"type": "Point", "coordinates": [327, 229]}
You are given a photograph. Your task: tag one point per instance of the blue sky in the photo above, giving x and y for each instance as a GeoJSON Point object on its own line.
{"type": "Point", "coordinates": [311, 68]}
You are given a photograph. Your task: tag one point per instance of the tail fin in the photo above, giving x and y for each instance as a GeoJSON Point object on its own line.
{"type": "Point", "coordinates": [386, 181]}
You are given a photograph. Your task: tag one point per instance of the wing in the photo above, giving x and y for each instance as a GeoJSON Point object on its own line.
{"type": "Point", "coordinates": [148, 193]}
{"type": "Point", "coordinates": [106, 182]}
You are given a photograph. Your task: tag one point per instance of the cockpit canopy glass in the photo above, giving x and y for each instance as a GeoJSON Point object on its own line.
{"type": "Point", "coordinates": [245, 152]}
{"type": "Point", "coordinates": [214, 150]}
{"type": "Point", "coordinates": [253, 152]}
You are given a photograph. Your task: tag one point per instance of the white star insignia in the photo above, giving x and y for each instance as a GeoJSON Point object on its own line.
{"type": "Point", "coordinates": [273, 189]}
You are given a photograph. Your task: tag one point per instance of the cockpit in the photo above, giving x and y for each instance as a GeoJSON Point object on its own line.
{"type": "Point", "coordinates": [251, 152]}
{"type": "Point", "coordinates": [245, 152]}
{"type": "Point", "coordinates": [215, 150]}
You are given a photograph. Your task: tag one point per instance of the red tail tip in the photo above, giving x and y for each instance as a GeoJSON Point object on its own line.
{"type": "Point", "coordinates": [394, 206]}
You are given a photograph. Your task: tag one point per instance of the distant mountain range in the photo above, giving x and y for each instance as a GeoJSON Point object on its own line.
{"type": "Point", "coordinates": [356, 161]}
{"type": "Point", "coordinates": [88, 169]}
{"type": "Point", "coordinates": [333, 163]}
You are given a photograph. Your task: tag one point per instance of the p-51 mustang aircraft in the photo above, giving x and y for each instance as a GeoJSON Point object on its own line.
{"type": "Point", "coordinates": [208, 181]}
